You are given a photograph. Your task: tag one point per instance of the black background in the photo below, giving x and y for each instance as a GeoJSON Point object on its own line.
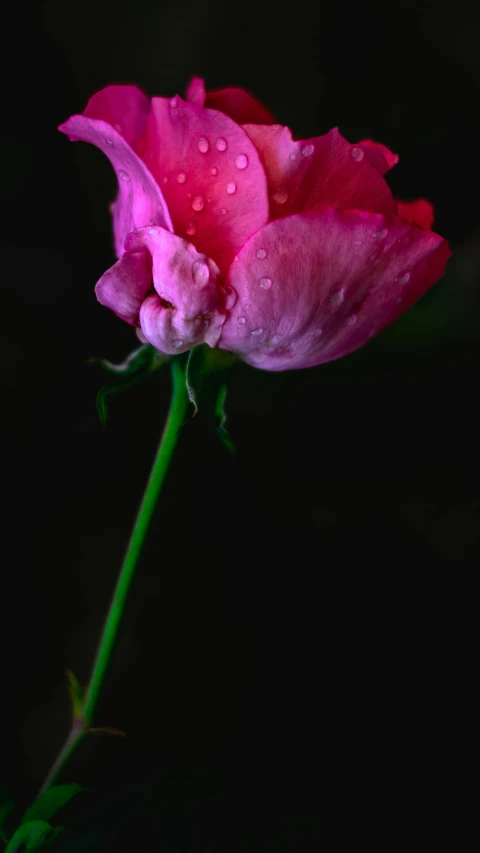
{"type": "Point", "coordinates": [297, 668]}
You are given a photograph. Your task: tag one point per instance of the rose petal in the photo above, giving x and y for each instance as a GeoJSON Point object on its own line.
{"type": "Point", "coordinates": [139, 200]}
{"type": "Point", "coordinates": [196, 92]}
{"type": "Point", "coordinates": [125, 108]}
{"type": "Point", "coordinates": [124, 286]}
{"type": "Point", "coordinates": [239, 105]}
{"type": "Point", "coordinates": [210, 174]}
{"type": "Point", "coordinates": [314, 287]}
{"type": "Point", "coordinates": [378, 155]}
{"type": "Point", "coordinates": [187, 308]}
{"type": "Point", "coordinates": [314, 174]}
{"type": "Point", "coordinates": [419, 211]}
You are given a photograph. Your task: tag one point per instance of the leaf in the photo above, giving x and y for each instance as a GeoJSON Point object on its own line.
{"type": "Point", "coordinates": [50, 801]}
{"type": "Point", "coordinates": [76, 693]}
{"type": "Point", "coordinates": [206, 373]}
{"type": "Point", "coordinates": [138, 365]}
{"type": "Point", "coordinates": [222, 418]}
{"type": "Point", "coordinates": [34, 835]}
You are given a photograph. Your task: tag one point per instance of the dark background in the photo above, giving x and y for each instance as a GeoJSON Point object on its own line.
{"type": "Point", "coordinates": [297, 669]}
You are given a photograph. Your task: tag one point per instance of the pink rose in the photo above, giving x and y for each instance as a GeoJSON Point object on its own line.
{"type": "Point", "coordinates": [228, 231]}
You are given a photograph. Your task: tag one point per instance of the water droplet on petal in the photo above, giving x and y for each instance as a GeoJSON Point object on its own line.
{"type": "Point", "coordinates": [221, 144]}
{"type": "Point", "coordinates": [308, 150]}
{"type": "Point", "coordinates": [279, 196]}
{"type": "Point", "coordinates": [293, 156]}
{"type": "Point", "coordinates": [191, 228]}
{"type": "Point", "coordinates": [402, 279]}
{"type": "Point", "coordinates": [214, 171]}
{"type": "Point", "coordinates": [108, 140]}
{"type": "Point", "coordinates": [358, 154]}
{"type": "Point", "coordinates": [276, 339]}
{"type": "Point", "coordinates": [352, 320]}
{"type": "Point", "coordinates": [241, 161]}
{"type": "Point", "coordinates": [203, 145]}
{"type": "Point", "coordinates": [357, 242]}
{"type": "Point", "coordinates": [261, 253]}
{"type": "Point", "coordinates": [241, 321]}
{"type": "Point", "coordinates": [380, 235]}
{"type": "Point", "coordinates": [177, 343]}
{"type": "Point", "coordinates": [123, 175]}
{"type": "Point", "coordinates": [174, 102]}
{"type": "Point", "coordinates": [181, 178]}
{"type": "Point", "coordinates": [223, 211]}
{"type": "Point", "coordinates": [200, 272]}
{"type": "Point", "coordinates": [198, 203]}
{"type": "Point", "coordinates": [265, 283]}
{"type": "Point", "coordinates": [165, 180]}
{"type": "Point", "coordinates": [235, 258]}
{"type": "Point", "coordinates": [118, 128]}
{"type": "Point", "coordinates": [231, 188]}
{"type": "Point", "coordinates": [257, 332]}
{"type": "Point", "coordinates": [337, 298]}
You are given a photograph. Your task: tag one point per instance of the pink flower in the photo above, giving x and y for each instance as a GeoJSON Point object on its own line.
{"type": "Point", "coordinates": [228, 231]}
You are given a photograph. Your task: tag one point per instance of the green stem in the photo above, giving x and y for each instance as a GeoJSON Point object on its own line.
{"type": "Point", "coordinates": [178, 409]}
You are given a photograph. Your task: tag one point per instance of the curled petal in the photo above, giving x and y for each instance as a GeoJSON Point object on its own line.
{"type": "Point", "coordinates": [139, 200]}
{"type": "Point", "coordinates": [420, 212]}
{"type": "Point", "coordinates": [378, 155]}
{"type": "Point", "coordinates": [125, 285]}
{"type": "Point", "coordinates": [186, 305]}
{"type": "Point", "coordinates": [313, 287]}
{"type": "Point", "coordinates": [210, 174]}
{"type": "Point", "coordinates": [125, 108]}
{"type": "Point", "coordinates": [314, 174]}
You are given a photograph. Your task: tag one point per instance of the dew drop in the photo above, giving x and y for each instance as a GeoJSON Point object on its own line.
{"type": "Point", "coordinates": [198, 203]}
{"type": "Point", "coordinates": [203, 145]}
{"type": "Point", "coordinates": [357, 154]}
{"type": "Point", "coordinates": [292, 156]}
{"type": "Point", "coordinates": [402, 279]}
{"type": "Point", "coordinates": [214, 171]}
{"type": "Point", "coordinates": [380, 235]}
{"type": "Point", "coordinates": [189, 195]}
{"type": "Point", "coordinates": [265, 283]}
{"type": "Point", "coordinates": [174, 102]}
{"type": "Point", "coordinates": [231, 188]}
{"type": "Point", "coordinates": [123, 175]}
{"type": "Point", "coordinates": [177, 343]}
{"type": "Point", "coordinates": [241, 321]}
{"type": "Point", "coordinates": [241, 161]}
{"type": "Point", "coordinates": [108, 140]}
{"type": "Point", "coordinates": [223, 211]}
{"type": "Point", "coordinates": [221, 144]}
{"type": "Point", "coordinates": [200, 272]}
{"type": "Point", "coordinates": [257, 332]}
{"type": "Point", "coordinates": [191, 228]}
{"type": "Point", "coordinates": [165, 180]}
{"type": "Point", "coordinates": [279, 196]}
{"type": "Point", "coordinates": [261, 253]}
{"type": "Point", "coordinates": [337, 298]}
{"type": "Point", "coordinates": [352, 320]}
{"type": "Point", "coordinates": [276, 339]}
{"type": "Point", "coordinates": [181, 178]}
{"type": "Point", "coordinates": [235, 258]}
{"type": "Point", "coordinates": [308, 150]}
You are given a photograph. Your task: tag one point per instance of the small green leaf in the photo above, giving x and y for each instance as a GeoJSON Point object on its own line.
{"type": "Point", "coordinates": [34, 835]}
{"type": "Point", "coordinates": [76, 693]}
{"type": "Point", "coordinates": [138, 365]}
{"type": "Point", "coordinates": [50, 801]}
